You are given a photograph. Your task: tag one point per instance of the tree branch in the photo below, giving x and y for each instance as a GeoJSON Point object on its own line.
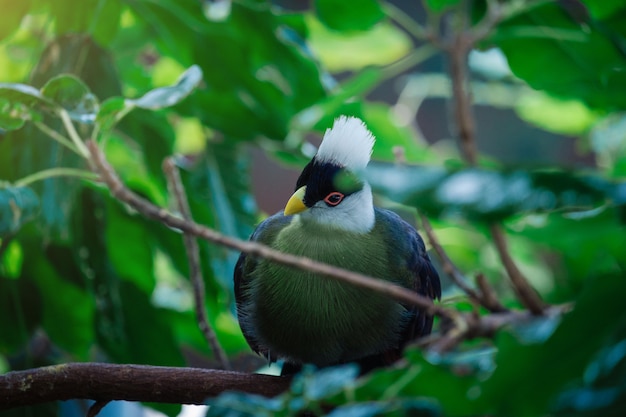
{"type": "Point", "coordinates": [526, 294]}
{"type": "Point", "coordinates": [471, 325]}
{"type": "Point", "coordinates": [193, 257]}
{"type": "Point", "coordinates": [461, 96]}
{"type": "Point", "coordinates": [119, 191]}
{"type": "Point", "coordinates": [463, 41]}
{"type": "Point", "coordinates": [481, 298]}
{"type": "Point", "coordinates": [105, 382]}
{"type": "Point", "coordinates": [96, 407]}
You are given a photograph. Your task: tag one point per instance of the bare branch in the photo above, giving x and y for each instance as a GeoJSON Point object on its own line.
{"type": "Point", "coordinates": [462, 96]}
{"type": "Point", "coordinates": [488, 295]}
{"type": "Point", "coordinates": [96, 407]}
{"type": "Point", "coordinates": [471, 325]}
{"type": "Point", "coordinates": [105, 382]}
{"type": "Point", "coordinates": [486, 299]}
{"type": "Point", "coordinates": [526, 294]}
{"type": "Point", "coordinates": [119, 191]}
{"type": "Point", "coordinates": [446, 263]}
{"type": "Point", "coordinates": [193, 257]}
{"type": "Point", "coordinates": [463, 41]}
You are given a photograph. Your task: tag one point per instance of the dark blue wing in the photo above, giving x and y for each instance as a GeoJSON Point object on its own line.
{"type": "Point", "coordinates": [408, 252]}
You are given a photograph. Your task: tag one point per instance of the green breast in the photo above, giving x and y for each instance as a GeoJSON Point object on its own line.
{"type": "Point", "coordinates": [312, 319]}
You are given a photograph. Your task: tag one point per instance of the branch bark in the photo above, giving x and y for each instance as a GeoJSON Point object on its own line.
{"type": "Point", "coordinates": [484, 297]}
{"type": "Point", "coordinates": [526, 294]}
{"type": "Point", "coordinates": [193, 257]}
{"type": "Point", "coordinates": [106, 382]}
{"type": "Point", "coordinates": [471, 325]}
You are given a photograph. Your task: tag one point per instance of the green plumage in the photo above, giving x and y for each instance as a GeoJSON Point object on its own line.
{"type": "Point", "coordinates": [289, 313]}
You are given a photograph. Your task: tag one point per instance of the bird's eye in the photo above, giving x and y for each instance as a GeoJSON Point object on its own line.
{"type": "Point", "coordinates": [333, 198]}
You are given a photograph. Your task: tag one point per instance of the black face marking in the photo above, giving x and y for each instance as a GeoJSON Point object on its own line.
{"type": "Point", "coordinates": [321, 182]}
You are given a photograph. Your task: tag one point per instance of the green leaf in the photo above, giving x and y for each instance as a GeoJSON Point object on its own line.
{"type": "Point", "coordinates": [265, 75]}
{"type": "Point", "coordinates": [586, 328]}
{"type": "Point", "coordinates": [486, 195]}
{"type": "Point", "coordinates": [600, 390]}
{"type": "Point", "coordinates": [97, 18]}
{"type": "Point", "coordinates": [391, 136]}
{"type": "Point", "coordinates": [28, 150]}
{"type": "Point", "coordinates": [448, 386]}
{"type": "Point", "coordinates": [168, 96]}
{"type": "Point", "coordinates": [568, 117]}
{"type": "Point", "coordinates": [601, 9]}
{"type": "Point", "coordinates": [109, 112]}
{"type": "Point", "coordinates": [20, 103]}
{"type": "Point", "coordinates": [81, 56]}
{"type": "Point", "coordinates": [25, 94]}
{"type": "Point", "coordinates": [18, 205]}
{"type": "Point", "coordinates": [68, 311]}
{"type": "Point", "coordinates": [585, 247]}
{"type": "Point", "coordinates": [586, 60]}
{"type": "Point", "coordinates": [439, 6]}
{"type": "Point", "coordinates": [365, 409]}
{"type": "Point", "coordinates": [133, 261]}
{"type": "Point", "coordinates": [20, 313]}
{"type": "Point", "coordinates": [349, 16]}
{"type": "Point", "coordinates": [69, 92]}
{"type": "Point", "coordinates": [327, 381]}
{"type": "Point", "coordinates": [115, 108]}
{"type": "Point", "coordinates": [228, 208]}
{"type": "Point", "coordinates": [13, 116]}
{"type": "Point", "coordinates": [147, 337]}
{"type": "Point", "coordinates": [382, 45]}
{"type": "Point", "coordinates": [106, 21]}
{"type": "Point", "coordinates": [234, 404]}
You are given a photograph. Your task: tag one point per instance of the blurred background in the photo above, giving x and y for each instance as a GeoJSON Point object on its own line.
{"type": "Point", "coordinates": [84, 278]}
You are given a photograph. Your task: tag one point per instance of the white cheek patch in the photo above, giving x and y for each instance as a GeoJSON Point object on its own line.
{"type": "Point", "coordinates": [354, 214]}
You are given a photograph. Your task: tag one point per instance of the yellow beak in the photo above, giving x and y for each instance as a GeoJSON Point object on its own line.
{"type": "Point", "coordinates": [295, 204]}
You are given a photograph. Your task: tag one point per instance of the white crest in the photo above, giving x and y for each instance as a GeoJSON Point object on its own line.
{"type": "Point", "coordinates": [348, 143]}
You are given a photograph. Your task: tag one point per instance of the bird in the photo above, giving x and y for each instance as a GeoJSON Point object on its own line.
{"type": "Point", "coordinates": [295, 316]}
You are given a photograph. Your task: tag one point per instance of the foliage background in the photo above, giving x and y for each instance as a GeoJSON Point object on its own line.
{"type": "Point", "coordinates": [82, 278]}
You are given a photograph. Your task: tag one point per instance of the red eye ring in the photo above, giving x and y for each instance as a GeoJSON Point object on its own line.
{"type": "Point", "coordinates": [334, 198]}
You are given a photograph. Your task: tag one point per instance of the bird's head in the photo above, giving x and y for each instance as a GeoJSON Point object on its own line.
{"type": "Point", "coordinates": [328, 192]}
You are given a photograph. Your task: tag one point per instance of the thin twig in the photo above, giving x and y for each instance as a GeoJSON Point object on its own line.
{"type": "Point", "coordinates": [97, 407]}
{"type": "Point", "coordinates": [446, 263]}
{"type": "Point", "coordinates": [404, 20]}
{"type": "Point", "coordinates": [54, 172]}
{"type": "Point", "coordinates": [471, 326]}
{"type": "Point", "coordinates": [414, 58]}
{"type": "Point", "coordinates": [484, 298]}
{"type": "Point", "coordinates": [119, 191]}
{"type": "Point", "coordinates": [74, 136]}
{"type": "Point", "coordinates": [193, 256]}
{"type": "Point", "coordinates": [526, 294]}
{"type": "Point", "coordinates": [57, 136]}
{"type": "Point", "coordinates": [488, 295]}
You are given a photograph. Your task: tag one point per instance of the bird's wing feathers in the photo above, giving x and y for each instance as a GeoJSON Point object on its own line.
{"type": "Point", "coordinates": [265, 233]}
{"type": "Point", "coordinates": [407, 250]}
